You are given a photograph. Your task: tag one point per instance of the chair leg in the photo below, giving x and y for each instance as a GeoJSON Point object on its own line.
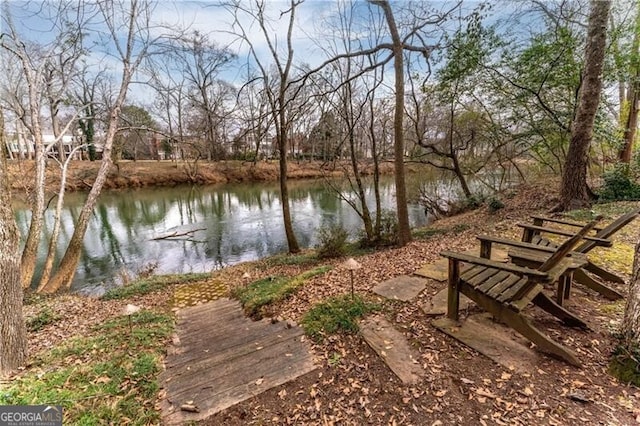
{"type": "Point", "coordinates": [568, 318]}
{"type": "Point", "coordinates": [453, 293]}
{"type": "Point", "coordinates": [544, 342]}
{"type": "Point", "coordinates": [603, 273]}
{"type": "Point", "coordinates": [583, 278]}
{"type": "Point", "coordinates": [519, 323]}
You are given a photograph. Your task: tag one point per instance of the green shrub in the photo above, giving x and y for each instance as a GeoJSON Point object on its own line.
{"type": "Point", "coordinates": [619, 184]}
{"type": "Point", "coordinates": [495, 204]}
{"type": "Point", "coordinates": [624, 363]}
{"type": "Point", "coordinates": [272, 289]}
{"type": "Point", "coordinates": [388, 228]}
{"type": "Point", "coordinates": [151, 284]}
{"type": "Point", "coordinates": [45, 317]}
{"type": "Point", "coordinates": [332, 241]}
{"type": "Point", "coordinates": [337, 314]}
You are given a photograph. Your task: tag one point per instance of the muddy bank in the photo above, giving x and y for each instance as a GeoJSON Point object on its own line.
{"type": "Point", "coordinates": [130, 174]}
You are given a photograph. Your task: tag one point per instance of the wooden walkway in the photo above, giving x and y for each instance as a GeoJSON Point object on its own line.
{"type": "Point", "coordinates": [220, 358]}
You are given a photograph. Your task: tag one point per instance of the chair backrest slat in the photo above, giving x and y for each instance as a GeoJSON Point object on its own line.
{"type": "Point", "coordinates": [568, 246]}
{"type": "Point", "coordinates": [609, 230]}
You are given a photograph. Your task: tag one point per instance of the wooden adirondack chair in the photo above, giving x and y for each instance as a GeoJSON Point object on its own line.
{"type": "Point", "coordinates": [533, 234]}
{"type": "Point", "coordinates": [505, 289]}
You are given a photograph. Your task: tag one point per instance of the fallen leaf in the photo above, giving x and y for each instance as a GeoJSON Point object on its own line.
{"type": "Point", "coordinates": [103, 379]}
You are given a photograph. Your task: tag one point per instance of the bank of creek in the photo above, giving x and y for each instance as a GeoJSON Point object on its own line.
{"type": "Point", "coordinates": [187, 228]}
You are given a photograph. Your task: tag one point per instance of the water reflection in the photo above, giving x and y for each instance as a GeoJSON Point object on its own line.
{"type": "Point", "coordinates": [213, 226]}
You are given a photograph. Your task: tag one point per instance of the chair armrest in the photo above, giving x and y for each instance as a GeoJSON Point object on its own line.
{"type": "Point", "coordinates": [508, 267]}
{"type": "Point", "coordinates": [513, 243]}
{"type": "Point", "coordinates": [563, 222]}
{"type": "Point", "coordinates": [599, 241]}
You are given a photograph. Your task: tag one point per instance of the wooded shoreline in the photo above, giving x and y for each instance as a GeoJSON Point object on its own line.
{"type": "Point", "coordinates": [140, 174]}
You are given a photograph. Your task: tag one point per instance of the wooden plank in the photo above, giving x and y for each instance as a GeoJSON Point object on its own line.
{"type": "Point", "coordinates": [217, 365]}
{"type": "Point", "coordinates": [583, 278]}
{"type": "Point", "coordinates": [519, 287]}
{"type": "Point", "coordinates": [209, 404]}
{"type": "Point", "coordinates": [519, 304]}
{"type": "Point", "coordinates": [539, 220]}
{"type": "Point", "coordinates": [245, 369]}
{"type": "Point", "coordinates": [472, 271]}
{"type": "Point", "coordinates": [231, 354]}
{"type": "Point", "coordinates": [231, 344]}
{"type": "Point", "coordinates": [493, 340]}
{"type": "Point", "coordinates": [601, 241]}
{"type": "Point", "coordinates": [493, 264]}
{"type": "Point", "coordinates": [393, 349]}
{"type": "Point", "coordinates": [453, 295]}
{"type": "Point", "coordinates": [495, 280]}
{"type": "Point", "coordinates": [566, 247]}
{"type": "Point", "coordinates": [603, 273]}
{"type": "Point", "coordinates": [521, 324]}
{"type": "Point", "coordinates": [482, 277]}
{"type": "Point", "coordinates": [609, 230]}
{"type": "Point", "coordinates": [195, 332]}
{"type": "Point", "coordinates": [514, 243]}
{"type": "Point", "coordinates": [505, 284]}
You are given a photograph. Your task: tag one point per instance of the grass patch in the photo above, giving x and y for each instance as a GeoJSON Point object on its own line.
{"type": "Point", "coordinates": [612, 308]}
{"type": "Point", "coordinates": [609, 209]}
{"type": "Point", "coordinates": [624, 363]}
{"type": "Point", "coordinates": [337, 314]}
{"type": "Point", "coordinates": [426, 233]}
{"type": "Point", "coordinates": [292, 259]}
{"type": "Point", "coordinates": [44, 318]}
{"type": "Point", "coordinates": [109, 377]}
{"type": "Point", "coordinates": [272, 289]}
{"type": "Point", "coordinates": [151, 284]}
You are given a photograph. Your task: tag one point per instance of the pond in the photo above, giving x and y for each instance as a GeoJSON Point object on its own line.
{"type": "Point", "coordinates": [199, 229]}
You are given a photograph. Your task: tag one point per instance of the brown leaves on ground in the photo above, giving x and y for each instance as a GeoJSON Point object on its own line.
{"type": "Point", "coordinates": [353, 386]}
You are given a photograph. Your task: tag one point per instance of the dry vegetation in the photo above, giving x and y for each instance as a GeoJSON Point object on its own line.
{"type": "Point", "coordinates": [353, 386]}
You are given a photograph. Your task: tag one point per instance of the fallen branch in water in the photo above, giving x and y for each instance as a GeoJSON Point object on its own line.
{"type": "Point", "coordinates": [178, 234]}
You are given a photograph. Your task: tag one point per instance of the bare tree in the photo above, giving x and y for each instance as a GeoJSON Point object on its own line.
{"type": "Point", "coordinates": [632, 98]}
{"type": "Point", "coordinates": [404, 228]}
{"type": "Point", "coordinates": [200, 60]}
{"type": "Point", "coordinates": [574, 191]}
{"type": "Point", "coordinates": [279, 92]}
{"type": "Point", "coordinates": [135, 16]}
{"type": "Point", "coordinates": [33, 65]}
{"type": "Point", "coordinates": [13, 335]}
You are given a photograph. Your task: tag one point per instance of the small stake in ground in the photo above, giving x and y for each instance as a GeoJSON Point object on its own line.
{"type": "Point", "coordinates": [352, 265]}
{"type": "Point", "coordinates": [130, 310]}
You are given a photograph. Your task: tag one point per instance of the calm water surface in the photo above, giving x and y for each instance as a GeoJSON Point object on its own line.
{"type": "Point", "coordinates": [200, 228]}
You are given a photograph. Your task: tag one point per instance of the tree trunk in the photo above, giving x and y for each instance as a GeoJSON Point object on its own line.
{"type": "Point", "coordinates": [292, 242]}
{"type": "Point", "coordinates": [53, 241]}
{"type": "Point", "coordinates": [68, 264]}
{"type": "Point", "coordinates": [631, 321]}
{"type": "Point", "coordinates": [30, 251]}
{"type": "Point", "coordinates": [574, 191]}
{"type": "Point", "coordinates": [13, 336]}
{"type": "Point", "coordinates": [631, 120]}
{"type": "Point", "coordinates": [404, 229]}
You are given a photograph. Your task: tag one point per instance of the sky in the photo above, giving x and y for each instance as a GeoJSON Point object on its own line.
{"type": "Point", "coordinates": [314, 31]}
